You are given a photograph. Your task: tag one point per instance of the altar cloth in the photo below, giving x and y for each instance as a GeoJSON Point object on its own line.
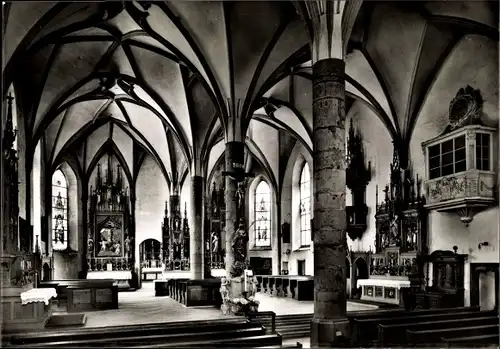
{"type": "Point", "coordinates": [384, 282]}
{"type": "Point", "coordinates": [36, 295]}
{"type": "Point", "coordinates": [113, 274]}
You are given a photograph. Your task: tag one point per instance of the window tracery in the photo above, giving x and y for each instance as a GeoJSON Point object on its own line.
{"type": "Point", "coordinates": [59, 211]}
{"type": "Point", "coordinates": [263, 215]}
{"type": "Point", "coordinates": [305, 206]}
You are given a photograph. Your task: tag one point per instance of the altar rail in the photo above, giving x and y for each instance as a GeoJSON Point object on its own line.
{"type": "Point", "coordinates": [193, 292]}
{"type": "Point", "coordinates": [297, 287]}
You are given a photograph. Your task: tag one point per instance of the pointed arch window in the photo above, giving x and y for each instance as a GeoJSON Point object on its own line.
{"type": "Point", "coordinates": [59, 211]}
{"type": "Point", "coordinates": [305, 206]}
{"type": "Point", "coordinates": [263, 215]}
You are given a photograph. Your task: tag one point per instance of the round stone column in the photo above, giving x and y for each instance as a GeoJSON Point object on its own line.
{"type": "Point", "coordinates": [196, 235]}
{"type": "Point", "coordinates": [231, 207]}
{"type": "Point", "coordinates": [329, 324]}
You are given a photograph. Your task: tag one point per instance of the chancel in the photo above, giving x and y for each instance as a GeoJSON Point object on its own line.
{"type": "Point", "coordinates": [250, 174]}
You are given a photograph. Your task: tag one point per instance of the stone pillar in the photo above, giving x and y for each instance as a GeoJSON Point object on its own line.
{"type": "Point", "coordinates": [233, 289]}
{"type": "Point", "coordinates": [231, 208]}
{"type": "Point", "coordinates": [196, 238]}
{"type": "Point", "coordinates": [85, 232]}
{"type": "Point", "coordinates": [329, 323]}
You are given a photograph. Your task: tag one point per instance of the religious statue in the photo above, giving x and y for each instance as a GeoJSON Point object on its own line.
{"type": "Point", "coordinates": [118, 248]}
{"type": "Point", "coordinates": [98, 194]}
{"type": "Point", "coordinates": [239, 247]}
{"type": "Point", "coordinates": [90, 246]}
{"type": "Point", "coordinates": [215, 242]}
{"type": "Point", "coordinates": [240, 203]}
{"type": "Point", "coordinates": [103, 245]}
{"type": "Point", "coordinates": [224, 291]}
{"type": "Point", "coordinates": [394, 230]}
{"type": "Point", "coordinates": [128, 241]}
{"type": "Point", "coordinates": [177, 250]}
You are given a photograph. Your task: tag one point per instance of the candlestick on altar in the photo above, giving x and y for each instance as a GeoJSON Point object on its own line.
{"type": "Point", "coordinates": [376, 196]}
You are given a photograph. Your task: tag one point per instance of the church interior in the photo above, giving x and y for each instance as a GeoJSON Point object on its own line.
{"type": "Point", "coordinates": [278, 174]}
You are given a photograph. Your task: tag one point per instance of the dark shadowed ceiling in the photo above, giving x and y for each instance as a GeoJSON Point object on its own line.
{"type": "Point", "coordinates": [163, 77]}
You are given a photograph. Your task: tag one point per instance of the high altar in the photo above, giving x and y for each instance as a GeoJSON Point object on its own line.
{"type": "Point", "coordinates": [400, 238]}
{"type": "Point", "coordinates": [110, 238]}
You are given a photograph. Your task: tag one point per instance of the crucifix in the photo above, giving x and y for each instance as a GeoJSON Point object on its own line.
{"type": "Point", "coordinates": [239, 175]}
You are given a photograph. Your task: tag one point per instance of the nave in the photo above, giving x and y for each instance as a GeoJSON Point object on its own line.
{"type": "Point", "coordinates": [243, 157]}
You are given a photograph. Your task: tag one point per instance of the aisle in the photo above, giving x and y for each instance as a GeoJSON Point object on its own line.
{"type": "Point", "coordinates": [141, 307]}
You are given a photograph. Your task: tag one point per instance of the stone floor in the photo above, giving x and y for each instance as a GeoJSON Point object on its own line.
{"type": "Point", "coordinates": [141, 307]}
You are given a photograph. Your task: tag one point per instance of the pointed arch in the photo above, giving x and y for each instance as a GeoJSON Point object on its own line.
{"type": "Point", "coordinates": [109, 147]}
{"type": "Point", "coordinates": [305, 205]}
{"type": "Point", "coordinates": [59, 211]}
{"type": "Point", "coordinates": [262, 209]}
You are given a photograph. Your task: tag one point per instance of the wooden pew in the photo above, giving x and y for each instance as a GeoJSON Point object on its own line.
{"type": "Point", "coordinates": [364, 324]}
{"type": "Point", "coordinates": [435, 336]}
{"type": "Point", "coordinates": [210, 333]}
{"type": "Point", "coordinates": [302, 288]}
{"type": "Point", "coordinates": [85, 294]}
{"type": "Point", "coordinates": [298, 287]}
{"type": "Point", "coordinates": [161, 288]}
{"type": "Point", "coordinates": [202, 293]}
{"type": "Point", "coordinates": [195, 292]}
{"type": "Point", "coordinates": [393, 332]}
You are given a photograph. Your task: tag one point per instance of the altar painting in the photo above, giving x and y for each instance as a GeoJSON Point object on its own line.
{"type": "Point", "coordinates": [109, 236]}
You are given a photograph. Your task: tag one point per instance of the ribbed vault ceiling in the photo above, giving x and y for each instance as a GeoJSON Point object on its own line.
{"type": "Point", "coordinates": [163, 77]}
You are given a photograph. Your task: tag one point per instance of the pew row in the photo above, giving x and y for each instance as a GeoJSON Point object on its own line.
{"type": "Point", "coordinates": [84, 294]}
{"type": "Point", "coordinates": [193, 293]}
{"type": "Point", "coordinates": [364, 324]}
{"type": "Point", "coordinates": [489, 340]}
{"type": "Point", "coordinates": [297, 287]}
{"type": "Point", "coordinates": [394, 332]}
{"type": "Point", "coordinates": [436, 336]}
{"type": "Point", "coordinates": [230, 332]}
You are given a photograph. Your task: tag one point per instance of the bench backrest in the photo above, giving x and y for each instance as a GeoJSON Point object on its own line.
{"type": "Point", "coordinates": [389, 313]}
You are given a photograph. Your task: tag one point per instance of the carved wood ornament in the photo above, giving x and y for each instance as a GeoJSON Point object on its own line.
{"type": "Point", "coordinates": [109, 238]}
{"type": "Point", "coordinates": [460, 161]}
{"type": "Point", "coordinates": [401, 222]}
{"type": "Point", "coordinates": [175, 237]}
{"type": "Point", "coordinates": [357, 178]}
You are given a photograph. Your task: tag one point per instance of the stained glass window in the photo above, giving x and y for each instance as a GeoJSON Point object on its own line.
{"type": "Point", "coordinates": [262, 215]}
{"type": "Point", "coordinates": [305, 206]}
{"type": "Point", "coordinates": [59, 211]}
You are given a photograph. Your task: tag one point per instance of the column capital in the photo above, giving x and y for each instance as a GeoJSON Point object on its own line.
{"type": "Point", "coordinates": [326, 19]}
{"type": "Point", "coordinates": [196, 167]}
{"type": "Point", "coordinates": [234, 131]}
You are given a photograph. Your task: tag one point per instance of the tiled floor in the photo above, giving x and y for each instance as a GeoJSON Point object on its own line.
{"type": "Point", "coordinates": [141, 307]}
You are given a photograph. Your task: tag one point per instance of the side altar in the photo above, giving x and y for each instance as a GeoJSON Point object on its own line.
{"type": "Point", "coordinates": [400, 238]}
{"type": "Point", "coordinates": [24, 307]}
{"type": "Point", "coordinates": [110, 252]}
{"type": "Point", "coordinates": [174, 247]}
